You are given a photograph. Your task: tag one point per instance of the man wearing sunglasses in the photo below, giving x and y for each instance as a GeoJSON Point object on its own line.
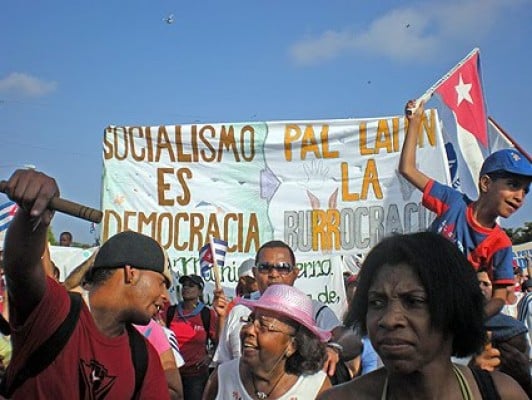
{"type": "Point", "coordinates": [274, 264]}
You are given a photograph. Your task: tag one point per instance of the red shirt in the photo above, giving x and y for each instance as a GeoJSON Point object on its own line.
{"type": "Point", "coordinates": [90, 366]}
{"type": "Point", "coordinates": [192, 338]}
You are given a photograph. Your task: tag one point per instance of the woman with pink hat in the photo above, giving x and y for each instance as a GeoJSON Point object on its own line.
{"type": "Point", "coordinates": [283, 352]}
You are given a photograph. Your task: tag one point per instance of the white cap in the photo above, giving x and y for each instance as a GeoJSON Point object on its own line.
{"type": "Point", "coordinates": [246, 268]}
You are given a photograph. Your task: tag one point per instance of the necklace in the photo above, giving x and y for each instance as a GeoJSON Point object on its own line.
{"type": "Point", "coordinates": [262, 395]}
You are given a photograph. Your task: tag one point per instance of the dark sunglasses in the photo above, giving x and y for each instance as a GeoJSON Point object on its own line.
{"type": "Point", "coordinates": [283, 268]}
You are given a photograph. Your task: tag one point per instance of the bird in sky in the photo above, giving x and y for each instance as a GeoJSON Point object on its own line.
{"type": "Point", "coordinates": [169, 19]}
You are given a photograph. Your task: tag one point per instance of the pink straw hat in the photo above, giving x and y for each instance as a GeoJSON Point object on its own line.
{"type": "Point", "coordinates": [291, 303]}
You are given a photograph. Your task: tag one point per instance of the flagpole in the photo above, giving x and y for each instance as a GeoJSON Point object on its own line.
{"type": "Point", "coordinates": [428, 94]}
{"type": "Point", "coordinates": [215, 268]}
{"type": "Point", "coordinates": [510, 139]}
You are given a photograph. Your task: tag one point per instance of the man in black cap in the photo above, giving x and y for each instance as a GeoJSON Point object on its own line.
{"type": "Point", "coordinates": [127, 284]}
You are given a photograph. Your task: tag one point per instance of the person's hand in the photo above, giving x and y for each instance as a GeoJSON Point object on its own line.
{"type": "Point", "coordinates": [219, 303]}
{"type": "Point", "coordinates": [489, 359]}
{"type": "Point", "coordinates": [417, 113]}
{"type": "Point", "coordinates": [32, 191]}
{"type": "Point", "coordinates": [333, 357]}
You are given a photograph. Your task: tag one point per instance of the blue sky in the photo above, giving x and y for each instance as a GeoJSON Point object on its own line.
{"type": "Point", "coordinates": [70, 68]}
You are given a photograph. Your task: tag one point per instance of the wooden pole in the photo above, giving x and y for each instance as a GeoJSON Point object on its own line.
{"type": "Point", "coordinates": [510, 139]}
{"type": "Point", "coordinates": [69, 207]}
{"type": "Point", "coordinates": [215, 268]}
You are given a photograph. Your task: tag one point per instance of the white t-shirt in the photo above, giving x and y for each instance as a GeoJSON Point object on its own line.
{"type": "Point", "coordinates": [511, 309]}
{"type": "Point", "coordinates": [229, 343]}
{"type": "Point", "coordinates": [230, 385]}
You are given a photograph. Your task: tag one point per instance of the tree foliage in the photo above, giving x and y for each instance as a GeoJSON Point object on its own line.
{"type": "Point", "coordinates": [51, 237]}
{"type": "Point", "coordinates": [520, 235]}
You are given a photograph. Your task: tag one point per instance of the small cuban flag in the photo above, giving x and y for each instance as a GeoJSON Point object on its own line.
{"type": "Point", "coordinates": [212, 253]}
{"type": "Point", "coordinates": [7, 212]}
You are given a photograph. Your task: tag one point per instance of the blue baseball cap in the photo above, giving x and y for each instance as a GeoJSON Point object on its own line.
{"type": "Point", "coordinates": [508, 160]}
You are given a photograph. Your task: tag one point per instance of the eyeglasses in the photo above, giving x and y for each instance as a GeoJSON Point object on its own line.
{"type": "Point", "coordinates": [283, 268]}
{"type": "Point", "coordinates": [263, 324]}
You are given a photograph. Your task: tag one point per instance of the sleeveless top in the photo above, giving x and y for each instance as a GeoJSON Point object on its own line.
{"type": "Point", "coordinates": [230, 386]}
{"type": "Point", "coordinates": [465, 390]}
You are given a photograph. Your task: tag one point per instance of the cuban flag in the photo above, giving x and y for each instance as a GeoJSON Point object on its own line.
{"type": "Point", "coordinates": [7, 212]}
{"type": "Point", "coordinates": [212, 253]}
{"type": "Point", "coordinates": [464, 122]}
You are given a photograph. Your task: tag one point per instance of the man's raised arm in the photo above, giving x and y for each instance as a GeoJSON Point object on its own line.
{"type": "Point", "coordinates": [26, 238]}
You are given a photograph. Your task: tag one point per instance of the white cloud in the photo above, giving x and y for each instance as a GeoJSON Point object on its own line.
{"type": "Point", "coordinates": [390, 35]}
{"type": "Point", "coordinates": [419, 31]}
{"type": "Point", "coordinates": [26, 85]}
{"type": "Point", "coordinates": [327, 46]}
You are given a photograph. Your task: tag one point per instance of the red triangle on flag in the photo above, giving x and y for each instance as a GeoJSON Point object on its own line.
{"type": "Point", "coordinates": [462, 93]}
{"type": "Point", "coordinates": [13, 210]}
{"type": "Point", "coordinates": [208, 257]}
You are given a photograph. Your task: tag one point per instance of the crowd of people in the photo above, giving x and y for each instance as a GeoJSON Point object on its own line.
{"type": "Point", "coordinates": [442, 314]}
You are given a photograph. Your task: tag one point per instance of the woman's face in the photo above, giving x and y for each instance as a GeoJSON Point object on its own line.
{"type": "Point", "coordinates": [266, 339]}
{"type": "Point", "coordinates": [189, 290]}
{"type": "Point", "coordinates": [398, 322]}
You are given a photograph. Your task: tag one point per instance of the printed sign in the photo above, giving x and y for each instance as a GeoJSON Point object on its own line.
{"type": "Point", "coordinates": [328, 188]}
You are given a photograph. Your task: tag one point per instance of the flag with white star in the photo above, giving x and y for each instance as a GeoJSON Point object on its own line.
{"type": "Point", "coordinates": [464, 122]}
{"type": "Point", "coordinates": [462, 93]}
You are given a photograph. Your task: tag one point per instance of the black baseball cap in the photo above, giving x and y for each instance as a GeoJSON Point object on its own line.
{"type": "Point", "coordinates": [196, 279]}
{"type": "Point", "coordinates": [134, 249]}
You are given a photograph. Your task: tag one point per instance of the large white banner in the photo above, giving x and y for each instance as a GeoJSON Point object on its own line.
{"type": "Point", "coordinates": [68, 258]}
{"type": "Point", "coordinates": [328, 188]}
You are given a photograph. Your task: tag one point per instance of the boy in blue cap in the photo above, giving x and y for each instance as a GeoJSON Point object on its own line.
{"type": "Point", "coordinates": [503, 184]}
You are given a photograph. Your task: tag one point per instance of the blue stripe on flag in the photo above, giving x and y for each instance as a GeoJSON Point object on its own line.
{"type": "Point", "coordinates": [5, 214]}
{"type": "Point", "coordinates": [205, 270]}
{"type": "Point", "coordinates": [7, 204]}
{"type": "Point", "coordinates": [220, 249]}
